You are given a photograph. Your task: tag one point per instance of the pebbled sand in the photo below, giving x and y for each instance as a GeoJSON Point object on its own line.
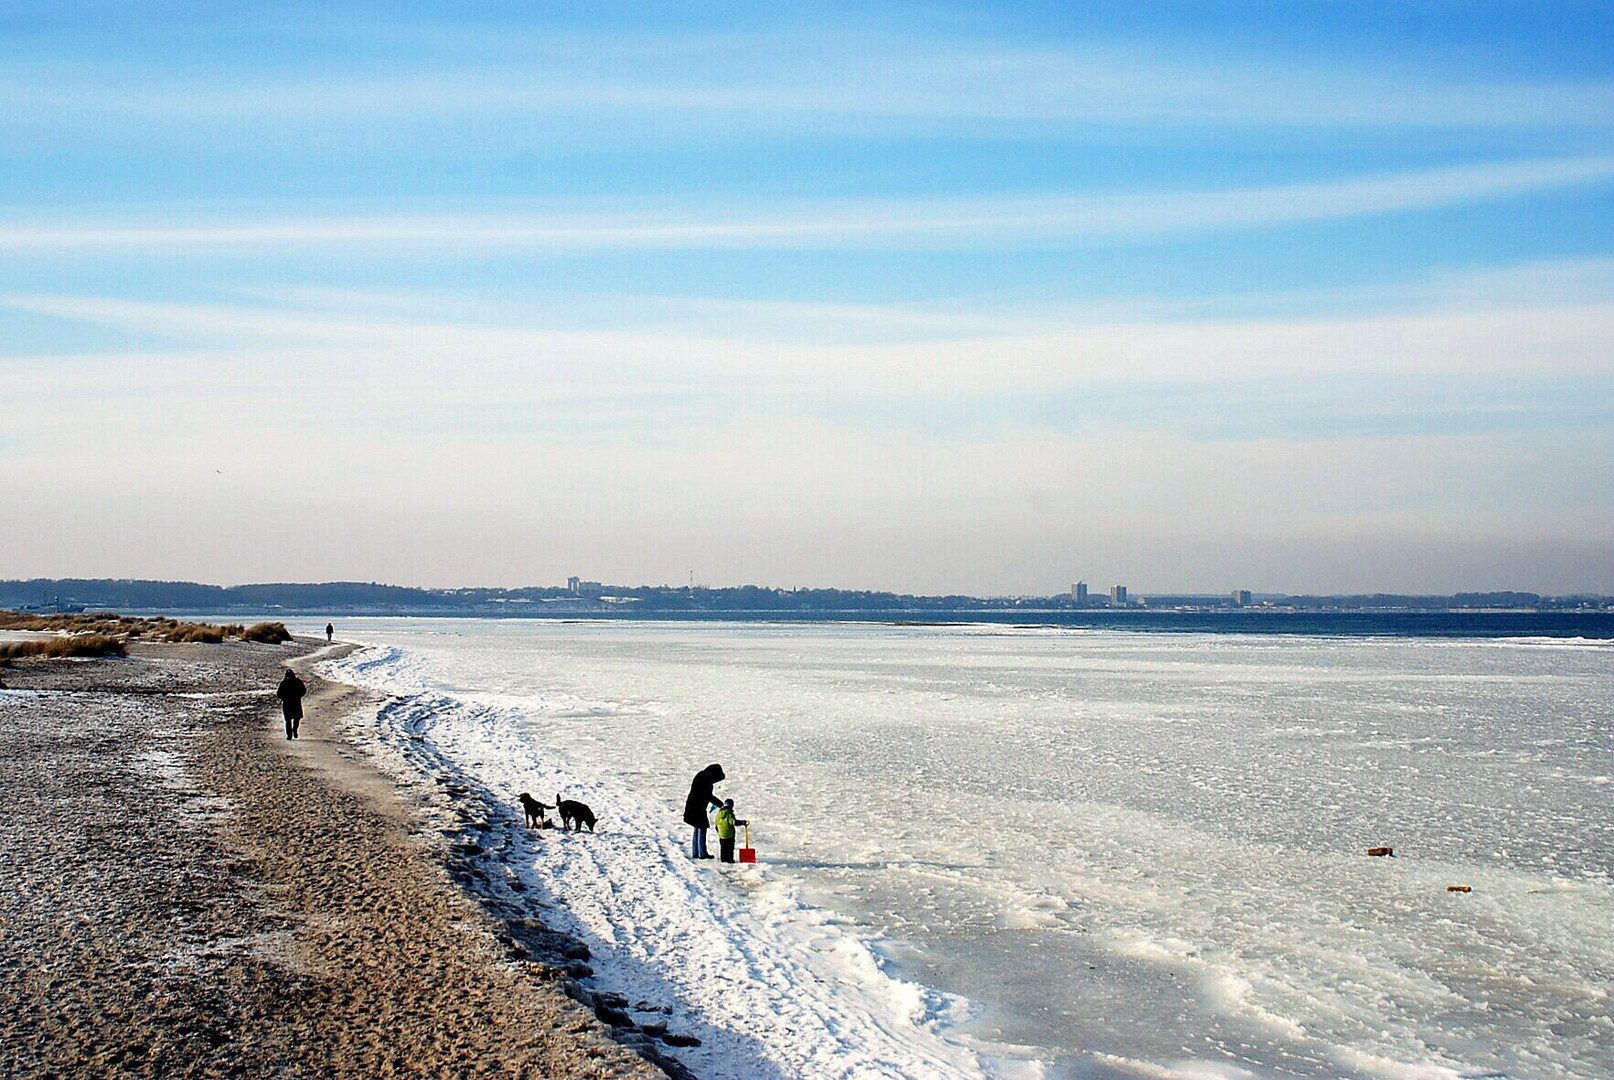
{"type": "Point", "coordinates": [185, 893]}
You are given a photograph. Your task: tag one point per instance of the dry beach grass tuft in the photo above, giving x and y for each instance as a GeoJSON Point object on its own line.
{"type": "Point", "coordinates": [58, 648]}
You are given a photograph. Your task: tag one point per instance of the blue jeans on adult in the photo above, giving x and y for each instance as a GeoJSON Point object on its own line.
{"type": "Point", "coordinates": [697, 846]}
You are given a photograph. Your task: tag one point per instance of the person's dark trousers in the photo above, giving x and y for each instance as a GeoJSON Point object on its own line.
{"type": "Point", "coordinates": [725, 846]}
{"type": "Point", "coordinates": [697, 846]}
{"type": "Point", "coordinates": [291, 728]}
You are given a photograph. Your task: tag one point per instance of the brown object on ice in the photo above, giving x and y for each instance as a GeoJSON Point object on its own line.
{"type": "Point", "coordinates": [1459, 888]}
{"type": "Point", "coordinates": [1381, 851]}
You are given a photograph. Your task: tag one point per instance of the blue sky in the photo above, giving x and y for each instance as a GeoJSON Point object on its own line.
{"type": "Point", "coordinates": [1292, 297]}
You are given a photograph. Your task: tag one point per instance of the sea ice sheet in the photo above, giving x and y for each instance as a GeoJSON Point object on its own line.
{"type": "Point", "coordinates": [1103, 853]}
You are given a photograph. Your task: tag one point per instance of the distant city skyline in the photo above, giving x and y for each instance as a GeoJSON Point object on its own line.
{"type": "Point", "coordinates": [929, 298]}
{"type": "Point", "coordinates": [584, 598]}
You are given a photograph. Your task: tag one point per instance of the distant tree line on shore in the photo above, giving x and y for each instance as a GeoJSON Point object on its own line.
{"type": "Point", "coordinates": [50, 594]}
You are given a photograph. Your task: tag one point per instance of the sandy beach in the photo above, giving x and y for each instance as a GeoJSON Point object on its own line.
{"type": "Point", "coordinates": [187, 893]}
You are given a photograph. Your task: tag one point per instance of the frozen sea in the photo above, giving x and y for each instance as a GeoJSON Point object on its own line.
{"type": "Point", "coordinates": [1017, 852]}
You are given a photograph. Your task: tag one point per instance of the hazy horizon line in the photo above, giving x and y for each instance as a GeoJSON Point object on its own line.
{"type": "Point", "coordinates": [1098, 593]}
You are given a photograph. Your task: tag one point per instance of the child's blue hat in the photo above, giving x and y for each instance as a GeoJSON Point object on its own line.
{"type": "Point", "coordinates": [728, 802]}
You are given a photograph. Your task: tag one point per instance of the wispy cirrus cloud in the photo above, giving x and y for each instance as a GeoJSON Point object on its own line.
{"type": "Point", "coordinates": [1459, 330]}
{"type": "Point", "coordinates": [1364, 428]}
{"type": "Point", "coordinates": [949, 292]}
{"type": "Point", "coordinates": [912, 223]}
{"type": "Point", "coordinates": [776, 78]}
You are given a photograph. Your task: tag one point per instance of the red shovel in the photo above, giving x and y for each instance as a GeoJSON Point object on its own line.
{"type": "Point", "coordinates": [748, 853]}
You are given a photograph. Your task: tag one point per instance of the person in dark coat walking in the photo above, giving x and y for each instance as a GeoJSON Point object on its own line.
{"type": "Point", "coordinates": [290, 692]}
{"type": "Point", "coordinates": [330, 631]}
{"type": "Point", "coordinates": [695, 807]}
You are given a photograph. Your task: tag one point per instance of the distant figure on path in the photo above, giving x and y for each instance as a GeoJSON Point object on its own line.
{"type": "Point", "coordinates": [330, 632]}
{"type": "Point", "coordinates": [725, 830]}
{"type": "Point", "coordinates": [290, 692]}
{"type": "Point", "coordinates": [701, 797]}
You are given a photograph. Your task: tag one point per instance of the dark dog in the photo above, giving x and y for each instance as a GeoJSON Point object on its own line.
{"type": "Point", "coordinates": [535, 811]}
{"type": "Point", "coordinates": [574, 814]}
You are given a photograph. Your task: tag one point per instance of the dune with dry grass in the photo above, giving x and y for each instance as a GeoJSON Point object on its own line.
{"type": "Point", "coordinates": [271, 633]}
{"type": "Point", "coordinates": [108, 634]}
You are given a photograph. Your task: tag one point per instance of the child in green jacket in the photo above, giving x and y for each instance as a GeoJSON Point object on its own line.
{"type": "Point", "coordinates": [725, 821]}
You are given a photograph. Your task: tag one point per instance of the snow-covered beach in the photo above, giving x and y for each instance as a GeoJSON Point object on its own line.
{"type": "Point", "coordinates": [189, 894]}
{"type": "Point", "coordinates": [1011, 852]}
{"type": "Point", "coordinates": [770, 987]}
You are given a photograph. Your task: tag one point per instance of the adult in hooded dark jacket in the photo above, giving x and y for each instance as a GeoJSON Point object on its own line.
{"type": "Point", "coordinates": [695, 807]}
{"type": "Point", "coordinates": [290, 692]}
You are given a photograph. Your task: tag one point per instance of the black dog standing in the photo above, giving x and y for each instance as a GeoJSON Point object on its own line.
{"type": "Point", "coordinates": [573, 814]}
{"type": "Point", "coordinates": [536, 818]}
{"type": "Point", "coordinates": [290, 692]}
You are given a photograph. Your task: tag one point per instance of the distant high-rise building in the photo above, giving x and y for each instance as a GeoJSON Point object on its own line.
{"type": "Point", "coordinates": [1078, 594]}
{"type": "Point", "coordinates": [578, 587]}
{"type": "Point", "coordinates": [1118, 595]}
{"type": "Point", "coordinates": [1241, 597]}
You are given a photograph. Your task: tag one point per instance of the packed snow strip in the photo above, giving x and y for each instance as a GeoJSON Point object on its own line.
{"type": "Point", "coordinates": [771, 987]}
